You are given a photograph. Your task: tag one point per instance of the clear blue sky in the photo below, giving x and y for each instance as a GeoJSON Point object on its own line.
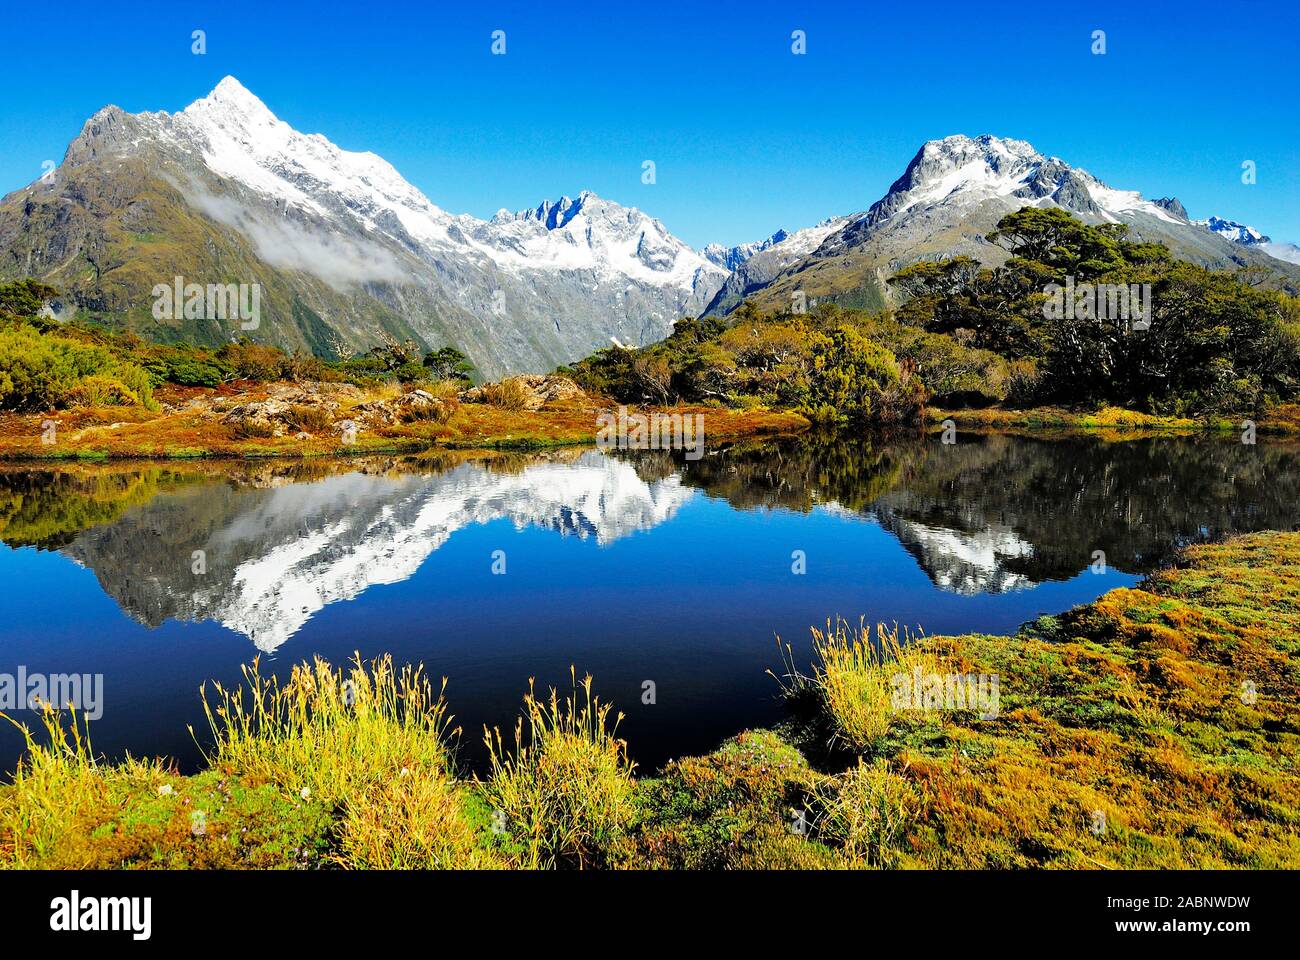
{"type": "Point", "coordinates": [746, 136]}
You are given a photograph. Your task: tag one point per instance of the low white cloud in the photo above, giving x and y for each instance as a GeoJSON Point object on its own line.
{"type": "Point", "coordinates": [341, 262]}
{"type": "Point", "coordinates": [1283, 251]}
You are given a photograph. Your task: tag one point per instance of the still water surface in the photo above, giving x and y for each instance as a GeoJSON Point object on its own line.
{"type": "Point", "coordinates": [631, 568]}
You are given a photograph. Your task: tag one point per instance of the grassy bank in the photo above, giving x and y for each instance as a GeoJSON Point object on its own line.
{"type": "Point", "coordinates": [194, 423]}
{"type": "Point", "coordinates": [187, 428]}
{"type": "Point", "coordinates": [1281, 420]}
{"type": "Point", "coordinates": [1155, 727]}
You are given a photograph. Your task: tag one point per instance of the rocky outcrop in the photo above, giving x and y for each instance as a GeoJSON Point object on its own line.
{"type": "Point", "coordinates": [297, 409]}
{"type": "Point", "coordinates": [412, 405]}
{"type": "Point", "coordinates": [538, 392]}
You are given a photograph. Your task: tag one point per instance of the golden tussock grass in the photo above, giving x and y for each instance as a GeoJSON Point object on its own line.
{"type": "Point", "coordinates": [866, 812]}
{"type": "Point", "coordinates": [348, 767]}
{"type": "Point", "coordinates": [56, 783]}
{"type": "Point", "coordinates": [853, 675]}
{"type": "Point", "coordinates": [562, 790]}
{"type": "Point", "coordinates": [1153, 728]}
{"type": "Point", "coordinates": [509, 394]}
{"type": "Point", "coordinates": [133, 432]}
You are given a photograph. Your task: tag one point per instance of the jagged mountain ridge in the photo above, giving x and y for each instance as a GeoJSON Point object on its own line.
{"type": "Point", "coordinates": [732, 258]}
{"type": "Point", "coordinates": [1248, 236]}
{"type": "Point", "coordinates": [1233, 231]}
{"type": "Point", "coordinates": [952, 193]}
{"type": "Point", "coordinates": [347, 251]}
{"type": "Point", "coordinates": [757, 265]}
{"type": "Point", "coordinates": [344, 248]}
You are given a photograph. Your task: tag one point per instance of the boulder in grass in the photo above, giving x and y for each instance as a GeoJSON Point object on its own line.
{"type": "Point", "coordinates": [533, 392]}
{"type": "Point", "coordinates": [412, 405]}
{"type": "Point", "coordinates": [260, 418]}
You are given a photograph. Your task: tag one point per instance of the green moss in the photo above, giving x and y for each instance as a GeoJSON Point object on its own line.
{"type": "Point", "coordinates": [741, 805]}
{"type": "Point", "coordinates": [1154, 728]}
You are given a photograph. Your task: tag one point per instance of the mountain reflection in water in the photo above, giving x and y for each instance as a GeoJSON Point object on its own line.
{"type": "Point", "coordinates": [978, 536]}
{"type": "Point", "coordinates": [278, 551]}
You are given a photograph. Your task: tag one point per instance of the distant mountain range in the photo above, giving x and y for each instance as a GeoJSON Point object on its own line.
{"type": "Point", "coordinates": [344, 248]}
{"type": "Point", "coordinates": [347, 251]}
{"type": "Point", "coordinates": [1250, 237]}
{"type": "Point", "coordinates": [952, 193]}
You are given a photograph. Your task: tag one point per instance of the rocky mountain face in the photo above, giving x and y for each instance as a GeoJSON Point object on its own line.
{"type": "Point", "coordinates": [343, 247]}
{"type": "Point", "coordinates": [732, 258]}
{"type": "Point", "coordinates": [1247, 236]}
{"type": "Point", "coordinates": [754, 266]}
{"type": "Point", "coordinates": [346, 252]}
{"type": "Point", "coordinates": [952, 193]}
{"type": "Point", "coordinates": [1233, 231]}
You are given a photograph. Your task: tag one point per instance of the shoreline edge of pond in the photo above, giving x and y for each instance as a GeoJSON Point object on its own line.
{"type": "Point", "coordinates": [1152, 728]}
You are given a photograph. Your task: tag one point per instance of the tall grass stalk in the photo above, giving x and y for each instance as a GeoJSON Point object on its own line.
{"type": "Point", "coordinates": [852, 677]}
{"type": "Point", "coordinates": [375, 742]}
{"type": "Point", "coordinates": [56, 783]}
{"type": "Point", "coordinates": [329, 730]}
{"type": "Point", "coordinates": [867, 814]}
{"type": "Point", "coordinates": [562, 792]}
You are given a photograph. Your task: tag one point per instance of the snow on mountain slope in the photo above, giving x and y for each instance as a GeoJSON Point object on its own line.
{"type": "Point", "coordinates": [589, 233]}
{"type": "Point", "coordinates": [293, 211]}
{"type": "Point", "coordinates": [788, 246]}
{"type": "Point", "coordinates": [966, 171]}
{"type": "Point", "coordinates": [243, 140]}
{"type": "Point", "coordinates": [732, 258]}
{"type": "Point", "coordinates": [279, 555]}
{"type": "Point", "coordinates": [1231, 230]}
{"type": "Point", "coordinates": [952, 193]}
{"type": "Point", "coordinates": [756, 264]}
{"type": "Point", "coordinates": [1247, 236]}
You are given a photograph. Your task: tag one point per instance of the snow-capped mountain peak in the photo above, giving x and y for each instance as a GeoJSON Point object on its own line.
{"type": "Point", "coordinates": [246, 142]}
{"type": "Point", "coordinates": [242, 140]}
{"type": "Point", "coordinates": [233, 99]}
{"type": "Point", "coordinates": [732, 258]}
{"type": "Point", "coordinates": [754, 265]}
{"type": "Point", "coordinates": [554, 214]}
{"type": "Point", "coordinates": [361, 249]}
{"type": "Point", "coordinates": [953, 192]}
{"type": "Point", "coordinates": [784, 247]}
{"type": "Point", "coordinates": [1247, 236]}
{"type": "Point", "coordinates": [1231, 230]}
{"type": "Point", "coordinates": [595, 235]}
{"type": "Point", "coordinates": [966, 170]}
